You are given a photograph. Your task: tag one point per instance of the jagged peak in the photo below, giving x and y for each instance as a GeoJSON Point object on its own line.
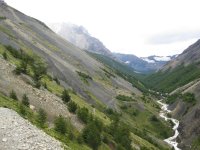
{"type": "Point", "coordinates": [2, 1]}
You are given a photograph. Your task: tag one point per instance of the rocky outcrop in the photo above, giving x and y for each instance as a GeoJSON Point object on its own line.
{"type": "Point", "coordinates": [2, 2]}
{"type": "Point", "coordinates": [17, 133]}
{"type": "Point", "coordinates": [80, 37]}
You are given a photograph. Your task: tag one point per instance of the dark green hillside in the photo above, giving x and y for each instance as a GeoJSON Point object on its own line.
{"type": "Point", "coordinates": [122, 70]}
{"type": "Point", "coordinates": [169, 80]}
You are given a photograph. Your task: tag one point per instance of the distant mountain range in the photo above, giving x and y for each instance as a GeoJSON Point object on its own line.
{"type": "Point", "coordinates": [144, 64]}
{"type": "Point", "coordinates": [80, 37]}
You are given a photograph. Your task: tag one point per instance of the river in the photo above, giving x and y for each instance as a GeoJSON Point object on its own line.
{"type": "Point", "coordinates": [163, 114]}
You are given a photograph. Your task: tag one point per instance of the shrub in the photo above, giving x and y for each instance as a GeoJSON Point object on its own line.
{"type": "Point", "coordinates": [13, 95]}
{"type": "Point", "coordinates": [14, 52]}
{"type": "Point", "coordinates": [84, 76]}
{"type": "Point", "coordinates": [65, 96]}
{"type": "Point", "coordinates": [39, 69]}
{"type": "Point", "coordinates": [92, 136]}
{"type": "Point", "coordinates": [2, 17]}
{"type": "Point", "coordinates": [172, 98]}
{"type": "Point", "coordinates": [5, 55]}
{"type": "Point", "coordinates": [72, 106]}
{"type": "Point", "coordinates": [121, 134]}
{"type": "Point", "coordinates": [25, 100]}
{"type": "Point", "coordinates": [83, 114]}
{"type": "Point", "coordinates": [124, 98]}
{"type": "Point", "coordinates": [56, 80]}
{"type": "Point", "coordinates": [60, 125]}
{"type": "Point", "coordinates": [154, 118]}
{"type": "Point", "coordinates": [189, 97]}
{"type": "Point", "coordinates": [22, 109]}
{"type": "Point", "coordinates": [22, 68]}
{"type": "Point", "coordinates": [42, 117]}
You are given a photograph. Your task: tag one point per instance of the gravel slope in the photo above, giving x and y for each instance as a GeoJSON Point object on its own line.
{"type": "Point", "coordinates": [17, 133]}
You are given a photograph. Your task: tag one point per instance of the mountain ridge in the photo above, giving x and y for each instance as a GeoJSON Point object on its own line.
{"type": "Point", "coordinates": [80, 37]}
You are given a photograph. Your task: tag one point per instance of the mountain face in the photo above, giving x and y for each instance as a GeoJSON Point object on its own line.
{"type": "Point", "coordinates": [180, 78]}
{"type": "Point", "coordinates": [63, 80]}
{"type": "Point", "coordinates": [144, 64]}
{"type": "Point", "coordinates": [80, 37]}
{"type": "Point", "coordinates": [190, 56]}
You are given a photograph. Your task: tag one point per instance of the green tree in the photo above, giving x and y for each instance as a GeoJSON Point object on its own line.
{"type": "Point", "coordinates": [25, 100]}
{"type": "Point", "coordinates": [121, 134]}
{"type": "Point", "coordinates": [22, 68]}
{"type": "Point", "coordinates": [13, 95]}
{"type": "Point", "coordinates": [5, 55]}
{"type": "Point", "coordinates": [39, 69]}
{"type": "Point", "coordinates": [22, 109]}
{"type": "Point", "coordinates": [83, 114]}
{"type": "Point", "coordinates": [60, 125]}
{"type": "Point", "coordinates": [189, 97]}
{"type": "Point", "coordinates": [42, 117]}
{"type": "Point", "coordinates": [65, 96]}
{"type": "Point", "coordinates": [92, 136]}
{"type": "Point", "coordinates": [72, 106]}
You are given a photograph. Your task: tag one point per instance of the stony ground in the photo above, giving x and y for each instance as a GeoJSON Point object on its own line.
{"type": "Point", "coordinates": [17, 133]}
{"type": "Point", "coordinates": [38, 98]}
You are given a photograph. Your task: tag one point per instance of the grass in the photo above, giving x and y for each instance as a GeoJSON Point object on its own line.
{"type": "Point", "coordinates": [196, 144]}
{"type": "Point", "coordinates": [6, 31]}
{"type": "Point", "coordinates": [52, 86]}
{"type": "Point", "coordinates": [84, 77]}
{"type": "Point", "coordinates": [2, 18]}
{"type": "Point", "coordinates": [143, 143]}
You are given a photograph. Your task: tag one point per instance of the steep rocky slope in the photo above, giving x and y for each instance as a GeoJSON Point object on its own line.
{"type": "Point", "coordinates": [80, 37]}
{"type": "Point", "coordinates": [190, 56]}
{"type": "Point", "coordinates": [18, 133]}
{"type": "Point", "coordinates": [64, 59]}
{"type": "Point", "coordinates": [188, 114]}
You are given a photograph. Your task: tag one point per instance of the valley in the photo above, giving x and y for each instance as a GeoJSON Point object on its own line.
{"type": "Point", "coordinates": [75, 94]}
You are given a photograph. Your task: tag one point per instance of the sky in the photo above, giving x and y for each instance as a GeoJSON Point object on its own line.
{"type": "Point", "coordinates": [140, 27]}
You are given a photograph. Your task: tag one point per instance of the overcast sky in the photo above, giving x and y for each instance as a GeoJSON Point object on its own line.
{"type": "Point", "coordinates": [140, 27]}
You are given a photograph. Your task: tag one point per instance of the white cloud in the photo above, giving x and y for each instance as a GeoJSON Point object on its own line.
{"type": "Point", "coordinates": [122, 25]}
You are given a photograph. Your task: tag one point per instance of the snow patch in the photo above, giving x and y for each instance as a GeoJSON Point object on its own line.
{"type": "Point", "coordinates": [162, 58]}
{"type": "Point", "coordinates": [127, 62]}
{"type": "Point", "coordinates": [148, 60]}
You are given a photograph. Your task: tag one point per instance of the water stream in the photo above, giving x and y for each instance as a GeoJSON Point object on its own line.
{"type": "Point", "coordinates": [163, 114]}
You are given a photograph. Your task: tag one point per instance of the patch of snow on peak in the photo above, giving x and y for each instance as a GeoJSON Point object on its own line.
{"type": "Point", "coordinates": [127, 62]}
{"type": "Point", "coordinates": [148, 60]}
{"type": "Point", "coordinates": [162, 58]}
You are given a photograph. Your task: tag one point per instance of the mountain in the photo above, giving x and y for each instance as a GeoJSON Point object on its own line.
{"type": "Point", "coordinates": [144, 64]}
{"type": "Point", "coordinates": [84, 101]}
{"type": "Point", "coordinates": [80, 37]}
{"type": "Point", "coordinates": [180, 78]}
{"type": "Point", "coordinates": [177, 72]}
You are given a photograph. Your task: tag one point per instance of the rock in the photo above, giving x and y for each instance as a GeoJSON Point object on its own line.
{"type": "Point", "coordinates": [4, 140]}
{"type": "Point", "coordinates": [24, 136]}
{"type": "Point", "coordinates": [32, 107]}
